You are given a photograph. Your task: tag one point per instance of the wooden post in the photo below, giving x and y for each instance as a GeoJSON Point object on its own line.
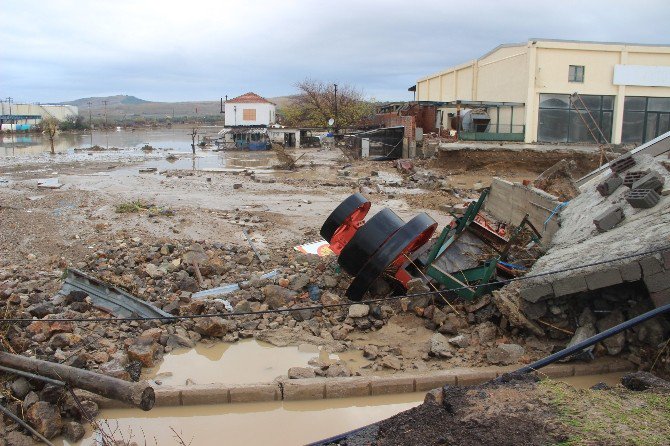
{"type": "Point", "coordinates": [135, 394]}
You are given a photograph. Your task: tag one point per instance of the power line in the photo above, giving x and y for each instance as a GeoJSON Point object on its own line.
{"type": "Point", "coordinates": [329, 306]}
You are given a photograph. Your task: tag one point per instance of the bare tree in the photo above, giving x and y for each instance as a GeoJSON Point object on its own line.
{"type": "Point", "coordinates": [194, 133]}
{"type": "Point", "coordinates": [50, 128]}
{"type": "Point", "coordinates": [317, 102]}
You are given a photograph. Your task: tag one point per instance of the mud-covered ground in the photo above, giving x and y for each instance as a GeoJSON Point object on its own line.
{"type": "Point", "coordinates": [138, 230]}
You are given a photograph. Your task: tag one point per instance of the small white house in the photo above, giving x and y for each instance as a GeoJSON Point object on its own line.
{"type": "Point", "coordinates": [249, 109]}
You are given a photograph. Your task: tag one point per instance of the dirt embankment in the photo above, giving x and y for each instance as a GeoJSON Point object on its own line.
{"type": "Point", "coordinates": [524, 411]}
{"type": "Point", "coordinates": [510, 163]}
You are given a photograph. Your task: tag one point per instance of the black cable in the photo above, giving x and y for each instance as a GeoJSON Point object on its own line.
{"type": "Point", "coordinates": [338, 305]}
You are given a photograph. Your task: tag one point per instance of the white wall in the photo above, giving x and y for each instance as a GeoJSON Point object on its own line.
{"type": "Point", "coordinates": [265, 113]}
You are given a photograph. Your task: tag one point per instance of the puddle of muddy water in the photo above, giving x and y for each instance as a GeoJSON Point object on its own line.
{"type": "Point", "coordinates": [276, 423]}
{"type": "Point", "coordinates": [585, 382]}
{"type": "Point", "coordinates": [247, 361]}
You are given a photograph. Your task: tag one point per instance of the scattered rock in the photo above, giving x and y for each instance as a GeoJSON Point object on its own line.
{"type": "Point", "coordinates": [20, 388]}
{"type": "Point", "coordinates": [276, 296]}
{"type": "Point", "coordinates": [460, 341]}
{"type": "Point", "coordinates": [301, 372]}
{"type": "Point", "coordinates": [73, 431]}
{"type": "Point", "coordinates": [440, 347]}
{"type": "Point", "coordinates": [359, 310]}
{"type": "Point", "coordinates": [505, 354]}
{"type": "Point", "coordinates": [214, 326]}
{"type": "Point", "coordinates": [616, 343]}
{"type": "Point", "coordinates": [391, 362]}
{"type": "Point", "coordinates": [45, 418]}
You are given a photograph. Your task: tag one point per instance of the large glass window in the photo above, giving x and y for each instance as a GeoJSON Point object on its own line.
{"type": "Point", "coordinates": [644, 118]}
{"type": "Point", "coordinates": [566, 119]}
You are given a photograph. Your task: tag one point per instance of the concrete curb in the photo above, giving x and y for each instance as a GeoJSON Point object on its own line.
{"type": "Point", "coordinates": [356, 386]}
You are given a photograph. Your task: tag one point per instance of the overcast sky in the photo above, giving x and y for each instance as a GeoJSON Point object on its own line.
{"type": "Point", "coordinates": [60, 50]}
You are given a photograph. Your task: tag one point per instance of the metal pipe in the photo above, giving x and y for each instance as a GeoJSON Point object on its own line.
{"type": "Point", "coordinates": [32, 376]}
{"type": "Point", "coordinates": [594, 339]}
{"type": "Point", "coordinates": [7, 412]}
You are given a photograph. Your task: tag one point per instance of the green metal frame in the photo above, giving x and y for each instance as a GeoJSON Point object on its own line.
{"type": "Point", "coordinates": [464, 278]}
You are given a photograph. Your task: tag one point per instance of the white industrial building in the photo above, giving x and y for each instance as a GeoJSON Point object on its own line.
{"type": "Point", "coordinates": [19, 116]}
{"type": "Point", "coordinates": [525, 89]}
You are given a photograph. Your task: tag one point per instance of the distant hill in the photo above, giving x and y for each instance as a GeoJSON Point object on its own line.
{"type": "Point", "coordinates": [97, 102]}
{"type": "Point", "coordinates": [125, 106]}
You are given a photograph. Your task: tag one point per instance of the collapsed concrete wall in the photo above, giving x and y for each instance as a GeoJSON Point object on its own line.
{"type": "Point", "coordinates": [578, 242]}
{"type": "Point", "coordinates": [510, 202]}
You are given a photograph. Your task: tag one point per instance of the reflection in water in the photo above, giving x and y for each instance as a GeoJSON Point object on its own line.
{"type": "Point", "coordinates": [247, 361]}
{"type": "Point", "coordinates": [175, 138]}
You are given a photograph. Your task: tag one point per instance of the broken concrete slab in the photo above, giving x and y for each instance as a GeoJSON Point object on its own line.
{"type": "Point", "coordinates": [603, 278]}
{"type": "Point", "coordinates": [569, 285]}
{"type": "Point", "coordinates": [49, 183]}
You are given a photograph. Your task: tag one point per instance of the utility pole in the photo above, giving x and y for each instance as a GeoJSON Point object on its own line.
{"type": "Point", "coordinates": [337, 122]}
{"type": "Point", "coordinates": [105, 102]}
{"type": "Point", "coordinates": [9, 101]}
{"type": "Point", "coordinates": [90, 121]}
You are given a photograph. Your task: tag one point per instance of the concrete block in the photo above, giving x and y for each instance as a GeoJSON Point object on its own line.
{"type": "Point", "coordinates": [603, 278]}
{"type": "Point", "coordinates": [632, 176]}
{"type": "Point", "coordinates": [208, 394]}
{"type": "Point", "coordinates": [536, 292]}
{"type": "Point", "coordinates": [558, 370]}
{"type": "Point", "coordinates": [621, 164]}
{"type": "Point", "coordinates": [650, 266]}
{"type": "Point", "coordinates": [652, 180]}
{"type": "Point", "coordinates": [253, 393]}
{"type": "Point", "coordinates": [473, 376]}
{"type": "Point", "coordinates": [390, 385]}
{"type": "Point", "coordinates": [304, 389]}
{"type": "Point", "coordinates": [347, 387]}
{"type": "Point", "coordinates": [168, 396]}
{"type": "Point", "coordinates": [660, 298]}
{"type": "Point", "coordinates": [433, 380]}
{"type": "Point", "coordinates": [569, 285]}
{"type": "Point", "coordinates": [657, 282]}
{"type": "Point", "coordinates": [642, 198]}
{"type": "Point", "coordinates": [631, 272]}
{"type": "Point", "coordinates": [611, 184]}
{"type": "Point", "coordinates": [609, 219]}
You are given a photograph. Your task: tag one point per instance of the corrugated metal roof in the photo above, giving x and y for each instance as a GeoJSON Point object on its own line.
{"type": "Point", "coordinates": [250, 98]}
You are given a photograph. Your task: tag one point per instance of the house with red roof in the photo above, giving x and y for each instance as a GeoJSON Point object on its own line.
{"type": "Point", "coordinates": [249, 109]}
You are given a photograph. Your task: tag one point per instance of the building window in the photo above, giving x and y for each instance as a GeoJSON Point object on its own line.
{"type": "Point", "coordinates": [249, 114]}
{"type": "Point", "coordinates": [644, 118]}
{"type": "Point", "coordinates": [563, 119]}
{"type": "Point", "coordinates": [576, 73]}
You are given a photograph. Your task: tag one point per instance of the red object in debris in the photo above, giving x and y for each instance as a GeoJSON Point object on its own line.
{"type": "Point", "coordinates": [483, 222]}
{"type": "Point", "coordinates": [526, 182]}
{"type": "Point", "coordinates": [348, 229]}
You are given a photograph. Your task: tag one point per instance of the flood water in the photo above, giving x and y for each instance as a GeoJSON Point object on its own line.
{"type": "Point", "coordinates": [125, 146]}
{"type": "Point", "coordinates": [251, 424]}
{"type": "Point", "coordinates": [247, 361]}
{"type": "Point", "coordinates": [176, 139]}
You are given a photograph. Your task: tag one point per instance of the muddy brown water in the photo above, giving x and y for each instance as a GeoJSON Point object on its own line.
{"type": "Point", "coordinates": [276, 423]}
{"type": "Point", "coordinates": [244, 362]}
{"type": "Point", "coordinates": [250, 424]}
